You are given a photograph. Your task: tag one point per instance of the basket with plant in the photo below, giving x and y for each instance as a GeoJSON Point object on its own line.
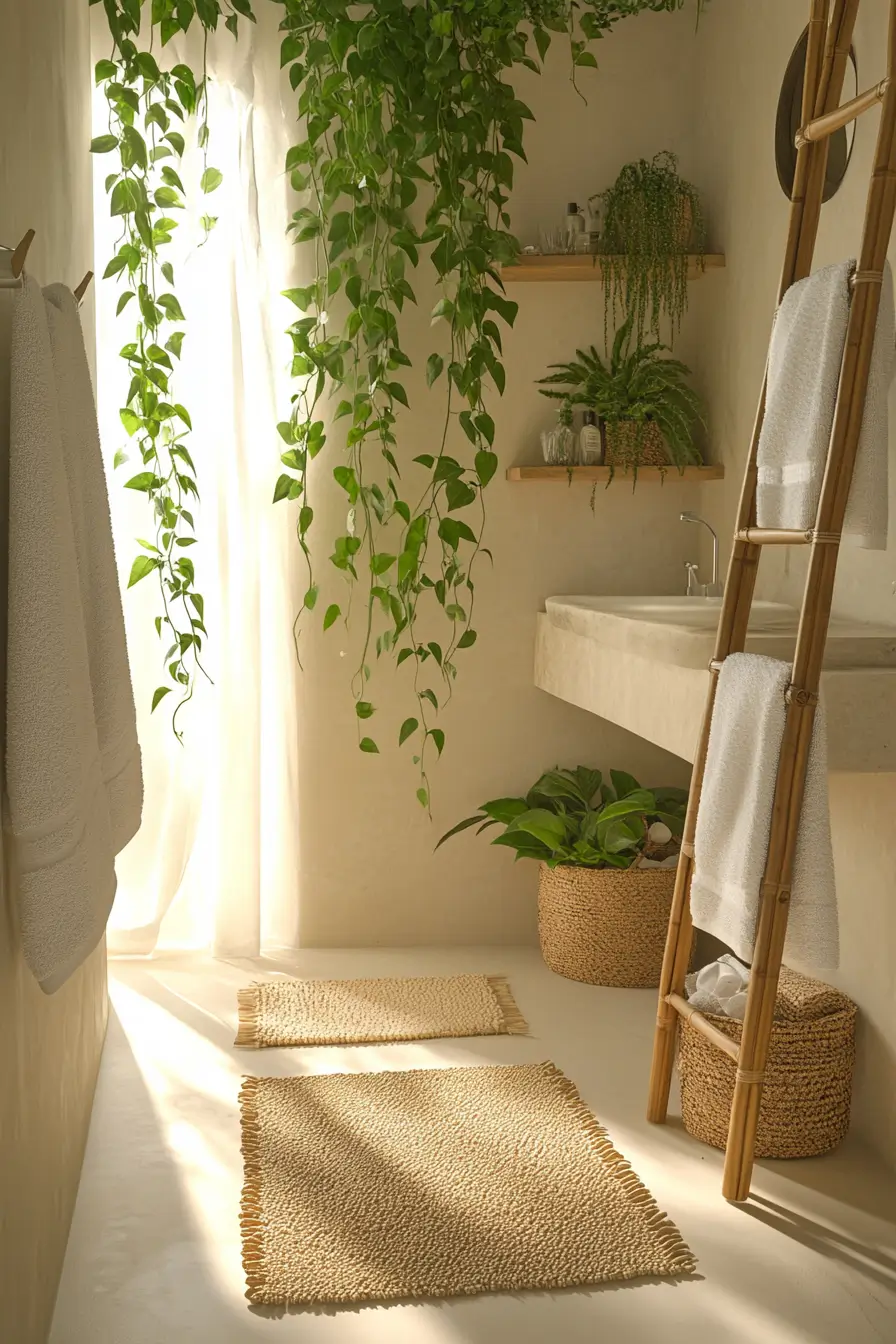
{"type": "Point", "coordinates": [646, 410]}
{"type": "Point", "coordinates": [652, 225]}
{"type": "Point", "coordinates": [607, 853]}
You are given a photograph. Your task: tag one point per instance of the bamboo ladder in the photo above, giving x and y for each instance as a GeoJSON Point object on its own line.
{"type": "Point", "coordinates": [830, 38]}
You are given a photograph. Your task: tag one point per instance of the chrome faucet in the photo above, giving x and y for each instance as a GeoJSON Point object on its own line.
{"type": "Point", "coordinates": [695, 587]}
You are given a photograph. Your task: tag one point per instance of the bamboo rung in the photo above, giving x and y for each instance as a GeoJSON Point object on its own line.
{"type": "Point", "coordinates": [781, 536]}
{"type": "Point", "coordinates": [773, 536]}
{"type": "Point", "coordinates": [705, 1028]}
{"type": "Point", "coordinates": [821, 127]}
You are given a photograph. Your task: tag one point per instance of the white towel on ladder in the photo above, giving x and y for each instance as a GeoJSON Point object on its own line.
{"type": "Point", "coordinates": [805, 356]}
{"type": "Point", "coordinates": [734, 819]}
{"type": "Point", "coordinates": [58, 795]}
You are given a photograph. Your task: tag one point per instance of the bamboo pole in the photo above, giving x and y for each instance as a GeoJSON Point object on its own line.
{"type": "Point", "coordinates": [837, 48]}
{"type": "Point", "coordinates": [811, 638]}
{"type": "Point", "coordinates": [821, 127]}
{"type": "Point", "coordinates": [819, 83]}
{"type": "Point", "coordinates": [703, 1025]}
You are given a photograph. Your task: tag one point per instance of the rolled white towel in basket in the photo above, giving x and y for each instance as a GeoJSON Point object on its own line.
{"type": "Point", "coordinates": [734, 820]}
{"type": "Point", "coordinates": [805, 356]}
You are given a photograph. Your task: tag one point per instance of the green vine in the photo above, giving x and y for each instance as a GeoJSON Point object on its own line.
{"type": "Point", "coordinates": [148, 106]}
{"type": "Point", "coordinates": [411, 129]}
{"type": "Point", "coordinates": [652, 222]}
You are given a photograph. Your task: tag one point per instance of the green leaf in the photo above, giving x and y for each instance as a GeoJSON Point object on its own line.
{"type": "Point", "coordinates": [434, 366]}
{"type": "Point", "coordinates": [143, 565]}
{"type": "Point", "coordinates": [331, 615]}
{"type": "Point", "coordinates": [364, 709]}
{"type": "Point", "coordinates": [439, 738]}
{"type": "Point", "coordinates": [159, 695]}
{"type": "Point", "coordinates": [211, 179]}
{"type": "Point", "coordinates": [103, 144]}
{"type": "Point", "coordinates": [423, 797]}
{"type": "Point", "coordinates": [310, 599]}
{"type": "Point", "coordinates": [408, 728]}
{"type": "Point", "coordinates": [624, 784]}
{"type": "Point", "coordinates": [381, 562]}
{"type": "Point", "coordinates": [486, 466]}
{"type": "Point", "coordinates": [452, 531]}
{"type": "Point", "coordinates": [130, 421]}
{"type": "Point", "coordinates": [546, 826]}
{"type": "Point", "coordinates": [282, 488]}
{"type": "Point", "coordinates": [467, 639]}
{"type": "Point", "coordinates": [367, 744]}
{"type": "Point", "coordinates": [144, 480]}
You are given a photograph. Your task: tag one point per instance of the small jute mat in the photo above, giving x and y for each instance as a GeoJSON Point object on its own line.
{"type": "Point", "coordinates": [435, 1182]}
{"type": "Point", "coordinates": [340, 1012]}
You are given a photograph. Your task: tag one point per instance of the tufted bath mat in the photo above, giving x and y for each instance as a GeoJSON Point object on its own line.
{"type": "Point", "coordinates": [435, 1182]}
{"type": "Point", "coordinates": [341, 1012]}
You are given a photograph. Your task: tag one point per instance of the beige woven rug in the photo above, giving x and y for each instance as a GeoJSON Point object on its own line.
{"type": "Point", "coordinates": [339, 1012]}
{"type": "Point", "coordinates": [434, 1182]}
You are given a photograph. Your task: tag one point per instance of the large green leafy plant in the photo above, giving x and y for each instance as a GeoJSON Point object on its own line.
{"type": "Point", "coordinates": [637, 385]}
{"type": "Point", "coordinates": [410, 132]}
{"type": "Point", "coordinates": [574, 818]}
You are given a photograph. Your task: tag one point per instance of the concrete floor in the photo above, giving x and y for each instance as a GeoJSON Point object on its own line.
{"type": "Point", "coordinates": [154, 1253]}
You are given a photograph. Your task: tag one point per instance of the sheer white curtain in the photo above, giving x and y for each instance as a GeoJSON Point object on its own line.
{"type": "Point", "coordinates": [215, 864]}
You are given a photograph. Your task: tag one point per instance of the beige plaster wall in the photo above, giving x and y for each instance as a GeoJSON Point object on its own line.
{"type": "Point", "coordinates": [743, 47]}
{"type": "Point", "coordinates": [368, 872]}
{"type": "Point", "coordinates": [49, 1047]}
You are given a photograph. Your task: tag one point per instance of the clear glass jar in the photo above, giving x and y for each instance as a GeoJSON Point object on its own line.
{"type": "Point", "coordinates": [559, 445]}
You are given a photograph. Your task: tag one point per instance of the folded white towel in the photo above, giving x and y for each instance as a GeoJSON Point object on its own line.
{"type": "Point", "coordinates": [720, 988]}
{"type": "Point", "coordinates": [57, 796]}
{"type": "Point", "coordinates": [805, 356]}
{"type": "Point", "coordinates": [734, 820]}
{"type": "Point", "coordinates": [110, 674]}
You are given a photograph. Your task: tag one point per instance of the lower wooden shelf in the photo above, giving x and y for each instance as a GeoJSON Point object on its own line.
{"type": "Point", "coordinates": [714, 472]}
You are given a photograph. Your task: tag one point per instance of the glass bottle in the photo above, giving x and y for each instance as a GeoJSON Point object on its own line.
{"type": "Point", "coordinates": [575, 227]}
{"type": "Point", "coordinates": [591, 449]}
{"type": "Point", "coordinates": [559, 444]}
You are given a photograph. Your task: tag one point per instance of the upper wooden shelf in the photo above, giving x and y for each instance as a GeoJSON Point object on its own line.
{"type": "Point", "coordinates": [585, 266]}
{"type": "Point", "coordinates": [713, 472]}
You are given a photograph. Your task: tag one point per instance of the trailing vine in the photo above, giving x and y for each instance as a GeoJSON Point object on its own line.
{"type": "Point", "coordinates": [148, 107]}
{"type": "Point", "coordinates": [411, 129]}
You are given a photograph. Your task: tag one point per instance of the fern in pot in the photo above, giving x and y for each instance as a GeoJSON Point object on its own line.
{"type": "Point", "coordinates": [607, 852]}
{"type": "Point", "coordinates": [652, 223]}
{"type": "Point", "coordinates": [647, 412]}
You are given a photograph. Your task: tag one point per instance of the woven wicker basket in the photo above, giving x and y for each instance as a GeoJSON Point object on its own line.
{"type": "Point", "coordinates": [808, 1081]}
{"type": "Point", "coordinates": [605, 926]}
{"type": "Point", "coordinates": [628, 444]}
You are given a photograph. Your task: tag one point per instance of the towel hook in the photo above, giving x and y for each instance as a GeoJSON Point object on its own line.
{"type": "Point", "coordinates": [83, 287]}
{"type": "Point", "coordinates": [19, 254]}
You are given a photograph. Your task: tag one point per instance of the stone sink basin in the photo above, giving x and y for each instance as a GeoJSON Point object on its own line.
{"type": "Point", "coordinates": [681, 630]}
{"type": "Point", "coordinates": [641, 662]}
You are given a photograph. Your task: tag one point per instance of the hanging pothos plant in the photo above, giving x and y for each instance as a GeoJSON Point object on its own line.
{"type": "Point", "coordinates": [410, 132]}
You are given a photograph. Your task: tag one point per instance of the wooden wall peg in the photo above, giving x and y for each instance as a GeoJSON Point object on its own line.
{"type": "Point", "coordinates": [83, 287]}
{"type": "Point", "coordinates": [19, 256]}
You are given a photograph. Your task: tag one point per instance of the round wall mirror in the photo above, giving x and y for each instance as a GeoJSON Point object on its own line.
{"type": "Point", "coordinates": [787, 123]}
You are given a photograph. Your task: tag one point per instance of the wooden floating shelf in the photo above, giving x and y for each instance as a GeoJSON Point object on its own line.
{"type": "Point", "coordinates": [713, 472]}
{"type": "Point", "coordinates": [586, 266]}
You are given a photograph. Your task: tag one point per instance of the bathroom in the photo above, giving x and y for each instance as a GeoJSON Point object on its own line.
{"type": "Point", "coordinates": [271, 847]}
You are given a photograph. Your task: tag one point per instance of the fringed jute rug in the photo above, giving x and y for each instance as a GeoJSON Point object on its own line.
{"type": "Point", "coordinates": [435, 1182]}
{"type": "Point", "coordinates": [342, 1012]}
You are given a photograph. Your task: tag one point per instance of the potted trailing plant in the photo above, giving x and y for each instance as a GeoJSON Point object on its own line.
{"type": "Point", "coordinates": [652, 222]}
{"type": "Point", "coordinates": [646, 411]}
{"type": "Point", "coordinates": [606, 852]}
